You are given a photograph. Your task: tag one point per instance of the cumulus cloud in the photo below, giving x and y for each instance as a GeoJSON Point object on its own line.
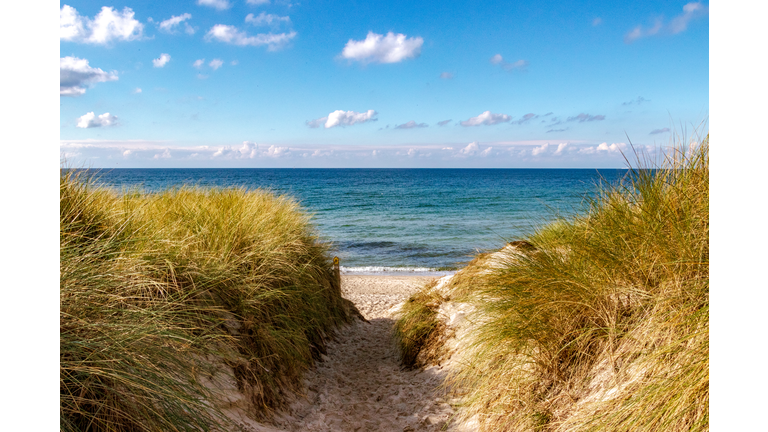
{"type": "Point", "coordinates": [90, 120]}
{"type": "Point", "coordinates": [658, 131]}
{"type": "Point", "coordinates": [169, 25]}
{"type": "Point", "coordinates": [106, 26]}
{"type": "Point", "coordinates": [257, 2]}
{"type": "Point", "coordinates": [164, 155]}
{"type": "Point", "coordinates": [266, 19]}
{"type": "Point", "coordinates": [560, 148]}
{"type": "Point", "coordinates": [343, 118]}
{"type": "Point", "coordinates": [678, 24]}
{"type": "Point", "coordinates": [499, 60]}
{"type": "Point", "coordinates": [486, 152]}
{"type": "Point", "coordinates": [581, 118]}
{"type": "Point", "coordinates": [411, 125]}
{"type": "Point", "coordinates": [470, 149]}
{"type": "Point", "coordinates": [161, 61]}
{"type": "Point", "coordinates": [75, 75]}
{"type": "Point", "coordinates": [444, 122]}
{"type": "Point", "coordinates": [539, 150]}
{"type": "Point", "coordinates": [231, 35]}
{"type": "Point", "coordinates": [604, 148]}
{"type": "Point", "coordinates": [446, 75]}
{"type": "Point", "coordinates": [198, 63]}
{"type": "Point", "coordinates": [215, 64]}
{"type": "Point", "coordinates": [486, 118]}
{"type": "Point", "coordinates": [137, 90]}
{"type": "Point", "coordinates": [217, 4]}
{"type": "Point", "coordinates": [376, 48]}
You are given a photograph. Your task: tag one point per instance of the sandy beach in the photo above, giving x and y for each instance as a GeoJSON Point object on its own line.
{"type": "Point", "coordinates": [360, 385]}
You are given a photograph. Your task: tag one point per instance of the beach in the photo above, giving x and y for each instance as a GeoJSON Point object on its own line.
{"type": "Point", "coordinates": [360, 383]}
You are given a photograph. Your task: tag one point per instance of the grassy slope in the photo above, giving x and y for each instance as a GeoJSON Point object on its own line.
{"type": "Point", "coordinates": [151, 285]}
{"type": "Point", "coordinates": [604, 326]}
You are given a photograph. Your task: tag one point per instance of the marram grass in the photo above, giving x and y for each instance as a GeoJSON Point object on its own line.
{"type": "Point", "coordinates": [153, 285]}
{"type": "Point", "coordinates": [605, 325]}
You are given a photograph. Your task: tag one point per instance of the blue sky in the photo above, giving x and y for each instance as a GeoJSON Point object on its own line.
{"type": "Point", "coordinates": [256, 83]}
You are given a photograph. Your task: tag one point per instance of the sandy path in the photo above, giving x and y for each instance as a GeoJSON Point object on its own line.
{"type": "Point", "coordinates": [359, 385]}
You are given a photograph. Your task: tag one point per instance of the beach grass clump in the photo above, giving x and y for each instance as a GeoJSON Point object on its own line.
{"type": "Point", "coordinates": [159, 290]}
{"type": "Point", "coordinates": [604, 325]}
{"type": "Point", "coordinates": [418, 328]}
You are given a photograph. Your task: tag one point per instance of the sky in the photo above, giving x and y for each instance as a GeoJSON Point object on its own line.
{"type": "Point", "coordinates": [280, 83]}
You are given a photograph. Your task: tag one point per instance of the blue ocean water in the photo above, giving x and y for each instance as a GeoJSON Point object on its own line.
{"type": "Point", "coordinates": [426, 221]}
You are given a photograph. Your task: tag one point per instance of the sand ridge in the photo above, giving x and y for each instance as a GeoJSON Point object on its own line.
{"type": "Point", "coordinates": [360, 385]}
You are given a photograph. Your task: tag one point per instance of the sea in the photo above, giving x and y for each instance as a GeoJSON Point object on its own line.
{"type": "Point", "coordinates": [403, 221]}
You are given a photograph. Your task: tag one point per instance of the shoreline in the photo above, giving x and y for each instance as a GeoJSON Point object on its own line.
{"type": "Point", "coordinates": [376, 295]}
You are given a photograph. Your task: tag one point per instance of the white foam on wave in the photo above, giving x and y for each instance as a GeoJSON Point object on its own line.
{"type": "Point", "coordinates": [366, 270]}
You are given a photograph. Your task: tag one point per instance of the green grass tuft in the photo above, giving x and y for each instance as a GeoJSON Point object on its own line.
{"type": "Point", "coordinates": [154, 286]}
{"type": "Point", "coordinates": [604, 326]}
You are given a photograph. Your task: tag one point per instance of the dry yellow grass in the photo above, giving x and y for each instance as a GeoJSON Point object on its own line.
{"type": "Point", "coordinates": [605, 325]}
{"type": "Point", "coordinates": [152, 284]}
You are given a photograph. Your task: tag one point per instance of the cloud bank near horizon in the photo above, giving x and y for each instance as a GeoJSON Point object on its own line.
{"type": "Point", "coordinates": [474, 154]}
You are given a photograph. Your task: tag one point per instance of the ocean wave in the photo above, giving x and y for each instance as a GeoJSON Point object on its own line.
{"type": "Point", "coordinates": [396, 270]}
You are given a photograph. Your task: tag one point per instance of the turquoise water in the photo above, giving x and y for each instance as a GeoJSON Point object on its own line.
{"type": "Point", "coordinates": [425, 221]}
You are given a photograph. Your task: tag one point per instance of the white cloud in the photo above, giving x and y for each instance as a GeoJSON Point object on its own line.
{"type": "Point", "coordinates": [90, 120]}
{"type": "Point", "coordinates": [215, 64]}
{"type": "Point", "coordinates": [444, 122]}
{"type": "Point", "coordinates": [539, 150]}
{"type": "Point", "coordinates": [560, 148]}
{"type": "Point", "coordinates": [75, 75]}
{"type": "Point", "coordinates": [677, 25]}
{"type": "Point", "coordinates": [343, 118]}
{"type": "Point", "coordinates": [164, 155]}
{"type": "Point", "coordinates": [257, 2]}
{"type": "Point", "coordinates": [198, 63]}
{"type": "Point", "coordinates": [378, 48]}
{"type": "Point", "coordinates": [690, 11]}
{"type": "Point", "coordinates": [137, 90]}
{"type": "Point", "coordinates": [231, 35]}
{"type": "Point", "coordinates": [234, 62]}
{"type": "Point", "coordinates": [446, 75]}
{"type": "Point", "coordinates": [106, 26]}
{"type": "Point", "coordinates": [266, 19]}
{"type": "Point", "coordinates": [603, 148]}
{"type": "Point", "coordinates": [470, 149]}
{"type": "Point", "coordinates": [486, 152]}
{"type": "Point", "coordinates": [169, 25]}
{"type": "Point", "coordinates": [276, 152]}
{"type": "Point", "coordinates": [217, 4]}
{"type": "Point", "coordinates": [486, 118]}
{"type": "Point", "coordinates": [499, 60]}
{"type": "Point", "coordinates": [162, 60]}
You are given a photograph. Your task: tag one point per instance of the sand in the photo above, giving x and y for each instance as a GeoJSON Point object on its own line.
{"type": "Point", "coordinates": [360, 385]}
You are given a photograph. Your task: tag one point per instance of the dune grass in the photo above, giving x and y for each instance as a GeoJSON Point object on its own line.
{"type": "Point", "coordinates": [604, 326]}
{"type": "Point", "coordinates": [154, 286]}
